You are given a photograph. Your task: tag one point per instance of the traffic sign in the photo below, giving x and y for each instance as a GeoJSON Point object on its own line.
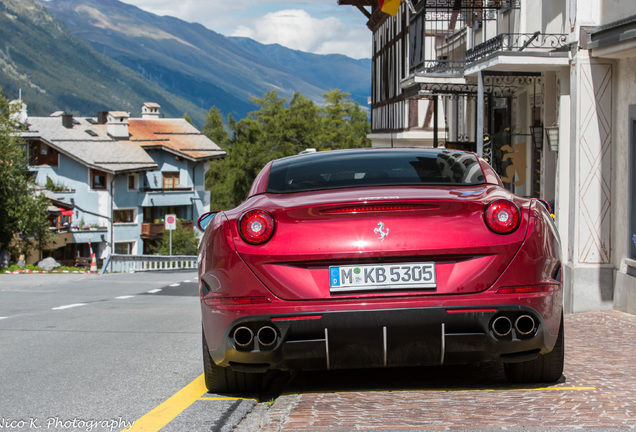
{"type": "Point", "coordinates": [171, 222]}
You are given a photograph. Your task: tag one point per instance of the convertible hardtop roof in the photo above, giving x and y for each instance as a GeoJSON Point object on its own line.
{"type": "Point", "coordinates": [373, 167]}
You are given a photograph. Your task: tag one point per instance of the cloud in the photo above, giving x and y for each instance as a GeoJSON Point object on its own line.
{"type": "Point", "coordinates": [297, 29]}
{"type": "Point", "coordinates": [317, 26]}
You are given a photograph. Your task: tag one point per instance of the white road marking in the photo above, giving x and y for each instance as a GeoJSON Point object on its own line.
{"type": "Point", "coordinates": [175, 284]}
{"type": "Point", "coordinates": [124, 297]}
{"type": "Point", "coordinates": [153, 291]}
{"type": "Point", "coordinates": [187, 281]}
{"type": "Point", "coordinates": [3, 318]}
{"type": "Point", "coordinates": [68, 306]}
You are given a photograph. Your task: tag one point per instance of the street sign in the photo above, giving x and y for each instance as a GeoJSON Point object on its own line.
{"type": "Point", "coordinates": [171, 222]}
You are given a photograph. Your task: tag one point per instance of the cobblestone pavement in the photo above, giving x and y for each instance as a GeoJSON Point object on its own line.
{"type": "Point", "coordinates": [598, 390]}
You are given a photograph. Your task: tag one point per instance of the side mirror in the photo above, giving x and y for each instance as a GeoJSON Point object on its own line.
{"type": "Point", "coordinates": [205, 219]}
{"type": "Point", "coordinates": [545, 204]}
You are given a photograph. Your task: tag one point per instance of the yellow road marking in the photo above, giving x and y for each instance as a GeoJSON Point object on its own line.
{"type": "Point", "coordinates": [432, 390]}
{"type": "Point", "coordinates": [555, 388]}
{"type": "Point", "coordinates": [163, 414]}
{"type": "Point", "coordinates": [172, 407]}
{"type": "Point", "coordinates": [226, 398]}
{"type": "Point", "coordinates": [519, 389]}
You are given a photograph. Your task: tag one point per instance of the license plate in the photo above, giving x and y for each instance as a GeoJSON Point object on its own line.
{"type": "Point", "coordinates": [382, 276]}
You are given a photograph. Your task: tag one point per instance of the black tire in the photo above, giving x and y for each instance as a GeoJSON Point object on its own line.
{"type": "Point", "coordinates": [547, 368]}
{"type": "Point", "coordinates": [225, 380]}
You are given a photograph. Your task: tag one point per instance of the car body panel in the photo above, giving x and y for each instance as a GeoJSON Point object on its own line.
{"type": "Point", "coordinates": [295, 263]}
{"type": "Point", "coordinates": [283, 284]}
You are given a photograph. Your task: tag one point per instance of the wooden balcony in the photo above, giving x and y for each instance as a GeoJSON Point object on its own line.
{"type": "Point", "coordinates": [150, 230]}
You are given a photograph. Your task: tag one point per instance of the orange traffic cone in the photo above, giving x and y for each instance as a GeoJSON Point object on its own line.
{"type": "Point", "coordinates": [93, 264]}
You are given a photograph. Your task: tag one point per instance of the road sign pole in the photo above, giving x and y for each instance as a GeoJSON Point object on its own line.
{"type": "Point", "coordinates": [171, 225]}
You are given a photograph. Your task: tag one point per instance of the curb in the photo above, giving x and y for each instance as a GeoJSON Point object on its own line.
{"type": "Point", "coordinates": [47, 271]}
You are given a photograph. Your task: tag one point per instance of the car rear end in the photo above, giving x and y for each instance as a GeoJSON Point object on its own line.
{"type": "Point", "coordinates": [359, 270]}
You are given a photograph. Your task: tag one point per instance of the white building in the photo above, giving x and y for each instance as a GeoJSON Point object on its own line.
{"type": "Point", "coordinates": [551, 86]}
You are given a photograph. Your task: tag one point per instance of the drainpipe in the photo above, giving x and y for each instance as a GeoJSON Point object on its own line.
{"type": "Point", "coordinates": [112, 215]}
{"type": "Point", "coordinates": [479, 134]}
{"type": "Point", "coordinates": [194, 188]}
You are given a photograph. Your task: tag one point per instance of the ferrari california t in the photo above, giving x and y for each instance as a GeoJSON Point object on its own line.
{"type": "Point", "coordinates": [374, 258]}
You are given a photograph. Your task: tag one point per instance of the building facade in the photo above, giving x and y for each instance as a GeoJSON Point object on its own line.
{"type": "Point", "coordinates": [120, 176]}
{"type": "Point", "coordinates": [545, 91]}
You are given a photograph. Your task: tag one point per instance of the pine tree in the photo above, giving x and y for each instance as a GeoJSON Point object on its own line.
{"type": "Point", "coordinates": [279, 128]}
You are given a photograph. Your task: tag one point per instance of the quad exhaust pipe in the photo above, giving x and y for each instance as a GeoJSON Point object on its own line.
{"type": "Point", "coordinates": [244, 337]}
{"type": "Point", "coordinates": [502, 326]}
{"type": "Point", "coordinates": [267, 336]}
{"type": "Point", "coordinates": [524, 325]}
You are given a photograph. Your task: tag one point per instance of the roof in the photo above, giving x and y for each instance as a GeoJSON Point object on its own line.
{"type": "Point", "coordinates": [176, 136]}
{"type": "Point", "coordinates": [89, 143]}
{"type": "Point", "coordinates": [614, 40]}
{"type": "Point", "coordinates": [58, 205]}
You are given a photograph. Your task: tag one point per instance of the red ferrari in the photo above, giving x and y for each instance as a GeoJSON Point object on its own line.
{"type": "Point", "coordinates": [373, 258]}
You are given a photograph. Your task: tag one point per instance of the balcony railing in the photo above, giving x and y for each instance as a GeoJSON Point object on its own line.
{"type": "Point", "coordinates": [150, 229]}
{"type": "Point", "coordinates": [518, 42]}
{"type": "Point", "coordinates": [168, 190]}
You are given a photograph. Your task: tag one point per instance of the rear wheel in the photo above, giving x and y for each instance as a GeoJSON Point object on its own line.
{"type": "Point", "coordinates": [225, 380]}
{"type": "Point", "coordinates": [546, 368]}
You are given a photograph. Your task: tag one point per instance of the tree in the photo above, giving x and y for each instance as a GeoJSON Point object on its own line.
{"type": "Point", "coordinates": [344, 122]}
{"type": "Point", "coordinates": [184, 242]}
{"type": "Point", "coordinates": [279, 128]}
{"type": "Point", "coordinates": [214, 128]}
{"type": "Point", "coordinates": [23, 213]}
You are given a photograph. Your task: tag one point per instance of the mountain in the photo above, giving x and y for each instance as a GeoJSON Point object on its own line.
{"type": "Point", "coordinates": [56, 71]}
{"type": "Point", "coordinates": [325, 71]}
{"type": "Point", "coordinates": [205, 67]}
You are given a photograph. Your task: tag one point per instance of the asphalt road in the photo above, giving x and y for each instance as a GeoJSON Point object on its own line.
{"type": "Point", "coordinates": [96, 353]}
{"type": "Point", "coordinates": [88, 352]}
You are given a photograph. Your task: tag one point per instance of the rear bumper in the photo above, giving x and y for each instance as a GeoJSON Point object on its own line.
{"type": "Point", "coordinates": [381, 338]}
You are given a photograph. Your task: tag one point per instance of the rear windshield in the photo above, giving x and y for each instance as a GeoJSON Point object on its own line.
{"type": "Point", "coordinates": [355, 168]}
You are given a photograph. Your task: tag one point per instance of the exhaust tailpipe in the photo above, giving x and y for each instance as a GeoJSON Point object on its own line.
{"type": "Point", "coordinates": [267, 336]}
{"type": "Point", "coordinates": [243, 336]}
{"type": "Point", "coordinates": [501, 326]}
{"type": "Point", "coordinates": [525, 325]}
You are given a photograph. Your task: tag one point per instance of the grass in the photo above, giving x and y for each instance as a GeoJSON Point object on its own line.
{"type": "Point", "coordinates": [15, 267]}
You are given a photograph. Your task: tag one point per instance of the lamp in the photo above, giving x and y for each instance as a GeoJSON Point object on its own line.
{"type": "Point", "coordinates": [537, 136]}
{"type": "Point", "coordinates": [552, 132]}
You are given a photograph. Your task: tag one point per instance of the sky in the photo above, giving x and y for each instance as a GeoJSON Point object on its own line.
{"type": "Point", "coordinates": [316, 26]}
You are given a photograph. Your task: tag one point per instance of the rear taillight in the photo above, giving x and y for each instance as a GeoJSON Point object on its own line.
{"type": "Point", "coordinates": [529, 289]}
{"type": "Point", "coordinates": [235, 301]}
{"type": "Point", "coordinates": [256, 227]}
{"type": "Point", "coordinates": [503, 216]}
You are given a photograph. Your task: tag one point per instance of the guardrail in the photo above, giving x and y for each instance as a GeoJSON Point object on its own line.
{"type": "Point", "coordinates": [118, 263]}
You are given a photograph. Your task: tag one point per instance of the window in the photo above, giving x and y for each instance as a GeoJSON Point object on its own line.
{"type": "Point", "coordinates": [98, 179]}
{"type": "Point", "coordinates": [390, 167]}
{"type": "Point", "coordinates": [132, 182]}
{"type": "Point", "coordinates": [62, 221]}
{"type": "Point", "coordinates": [41, 154]}
{"type": "Point", "coordinates": [124, 248]}
{"type": "Point", "coordinates": [124, 216]}
{"type": "Point", "coordinates": [170, 180]}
